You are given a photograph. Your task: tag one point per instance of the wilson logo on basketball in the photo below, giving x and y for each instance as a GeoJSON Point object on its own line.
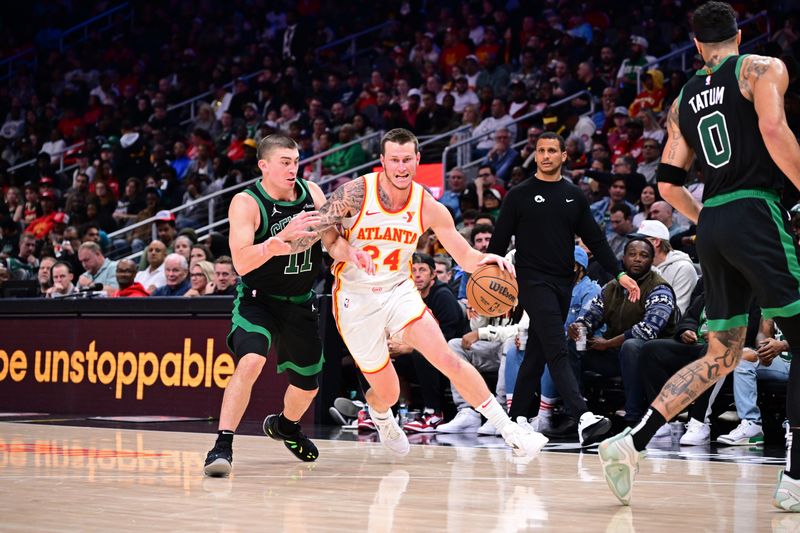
{"type": "Point", "coordinates": [501, 289]}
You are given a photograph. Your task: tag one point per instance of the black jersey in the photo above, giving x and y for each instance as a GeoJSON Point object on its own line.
{"type": "Point", "coordinates": [284, 275]}
{"type": "Point", "coordinates": [721, 126]}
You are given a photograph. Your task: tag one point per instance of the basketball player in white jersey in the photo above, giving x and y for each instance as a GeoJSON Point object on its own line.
{"type": "Point", "coordinates": [384, 213]}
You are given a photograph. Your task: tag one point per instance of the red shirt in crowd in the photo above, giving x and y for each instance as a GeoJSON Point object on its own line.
{"type": "Point", "coordinates": [136, 290]}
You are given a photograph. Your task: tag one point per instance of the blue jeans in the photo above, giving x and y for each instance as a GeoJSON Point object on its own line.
{"type": "Point", "coordinates": [745, 389]}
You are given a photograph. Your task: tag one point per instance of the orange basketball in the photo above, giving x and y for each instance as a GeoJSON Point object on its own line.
{"type": "Point", "coordinates": [491, 291]}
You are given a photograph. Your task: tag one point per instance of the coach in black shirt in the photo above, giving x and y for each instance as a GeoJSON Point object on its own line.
{"type": "Point", "coordinates": [544, 214]}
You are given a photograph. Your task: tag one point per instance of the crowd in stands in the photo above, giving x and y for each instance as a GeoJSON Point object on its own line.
{"type": "Point", "coordinates": [110, 149]}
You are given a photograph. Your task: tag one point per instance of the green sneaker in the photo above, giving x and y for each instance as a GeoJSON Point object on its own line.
{"type": "Point", "coordinates": [620, 462]}
{"type": "Point", "coordinates": [787, 493]}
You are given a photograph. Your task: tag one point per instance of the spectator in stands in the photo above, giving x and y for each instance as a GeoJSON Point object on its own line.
{"type": "Point", "coordinates": [176, 271]}
{"type": "Point", "coordinates": [647, 198]}
{"type": "Point", "coordinates": [224, 277]}
{"type": "Point", "coordinates": [200, 252]}
{"type": "Point", "coordinates": [527, 154]}
{"type": "Point", "coordinates": [344, 159]}
{"type": "Point", "coordinates": [180, 161]}
{"type": "Point", "coordinates": [601, 210]}
{"type": "Point", "coordinates": [502, 156]}
{"type": "Point", "coordinates": [630, 326]}
{"type": "Point", "coordinates": [463, 95]}
{"type": "Point", "coordinates": [485, 131]}
{"type": "Point", "coordinates": [153, 276]}
{"type": "Point", "coordinates": [201, 274]}
{"type": "Point", "coordinates": [98, 268]}
{"type": "Point", "coordinates": [25, 264]}
{"type": "Point", "coordinates": [652, 95]}
{"type": "Point", "coordinates": [771, 360]}
{"type": "Point", "coordinates": [44, 274]}
{"type": "Point", "coordinates": [621, 222]}
{"type": "Point", "coordinates": [651, 157]}
{"type": "Point", "coordinates": [485, 179]}
{"type": "Point", "coordinates": [9, 238]}
{"type": "Point", "coordinates": [631, 66]}
{"type": "Point", "coordinates": [456, 184]}
{"type": "Point", "coordinates": [130, 203]}
{"type": "Point", "coordinates": [13, 200]}
{"type": "Point", "coordinates": [128, 287]}
{"type": "Point", "coordinates": [42, 225]}
{"type": "Point", "coordinates": [652, 129]}
{"type": "Point", "coordinates": [78, 197]}
{"type": "Point", "coordinates": [442, 303]}
{"type": "Point", "coordinates": [491, 203]}
{"type": "Point", "coordinates": [674, 266]}
{"type": "Point", "coordinates": [663, 212]}
{"type": "Point", "coordinates": [62, 281]}
{"type": "Point", "coordinates": [183, 245]}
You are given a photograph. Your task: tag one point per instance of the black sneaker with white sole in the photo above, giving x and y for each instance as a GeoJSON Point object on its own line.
{"type": "Point", "coordinates": [297, 443]}
{"type": "Point", "coordinates": [219, 461]}
{"type": "Point", "coordinates": [592, 428]}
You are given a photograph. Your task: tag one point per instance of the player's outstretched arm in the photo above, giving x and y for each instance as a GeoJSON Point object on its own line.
{"type": "Point", "coordinates": [768, 80]}
{"type": "Point", "coordinates": [345, 201]}
{"type": "Point", "coordinates": [439, 219]}
{"type": "Point", "coordinates": [338, 247]}
{"type": "Point", "coordinates": [675, 160]}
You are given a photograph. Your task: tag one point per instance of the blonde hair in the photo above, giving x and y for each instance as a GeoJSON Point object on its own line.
{"type": "Point", "coordinates": [206, 268]}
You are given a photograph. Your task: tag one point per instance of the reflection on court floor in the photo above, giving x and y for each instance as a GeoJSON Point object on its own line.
{"type": "Point", "coordinates": [92, 479]}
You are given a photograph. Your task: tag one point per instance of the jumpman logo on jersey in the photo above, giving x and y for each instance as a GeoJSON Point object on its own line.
{"type": "Point", "coordinates": [275, 211]}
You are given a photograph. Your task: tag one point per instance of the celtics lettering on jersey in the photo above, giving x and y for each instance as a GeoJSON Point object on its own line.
{"type": "Point", "coordinates": [286, 275]}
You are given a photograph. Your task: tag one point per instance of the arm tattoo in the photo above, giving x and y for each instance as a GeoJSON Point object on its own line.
{"type": "Point", "coordinates": [692, 380]}
{"type": "Point", "coordinates": [344, 201]}
{"type": "Point", "coordinates": [674, 131]}
{"type": "Point", "coordinates": [753, 67]}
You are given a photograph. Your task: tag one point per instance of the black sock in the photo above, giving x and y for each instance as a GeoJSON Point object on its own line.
{"type": "Point", "coordinates": [225, 437]}
{"type": "Point", "coordinates": [286, 426]}
{"type": "Point", "coordinates": [647, 427]}
{"type": "Point", "coordinates": [793, 457]}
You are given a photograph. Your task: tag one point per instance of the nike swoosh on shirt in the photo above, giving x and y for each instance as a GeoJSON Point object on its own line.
{"type": "Point", "coordinates": [570, 200]}
{"type": "Point", "coordinates": [369, 213]}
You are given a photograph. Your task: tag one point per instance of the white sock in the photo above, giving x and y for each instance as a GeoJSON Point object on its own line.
{"type": "Point", "coordinates": [382, 417]}
{"type": "Point", "coordinates": [494, 412]}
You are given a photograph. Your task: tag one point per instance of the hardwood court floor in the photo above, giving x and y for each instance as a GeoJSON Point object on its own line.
{"type": "Point", "coordinates": [58, 478]}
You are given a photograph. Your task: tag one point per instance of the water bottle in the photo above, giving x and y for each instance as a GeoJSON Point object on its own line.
{"type": "Point", "coordinates": [402, 412]}
{"type": "Point", "coordinates": [580, 343]}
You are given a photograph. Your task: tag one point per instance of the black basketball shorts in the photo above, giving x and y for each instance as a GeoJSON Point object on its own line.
{"type": "Point", "coordinates": [290, 323]}
{"type": "Point", "coordinates": [747, 251]}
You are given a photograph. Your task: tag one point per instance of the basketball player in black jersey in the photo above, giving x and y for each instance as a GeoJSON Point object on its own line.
{"type": "Point", "coordinates": [274, 304]}
{"type": "Point", "coordinates": [730, 115]}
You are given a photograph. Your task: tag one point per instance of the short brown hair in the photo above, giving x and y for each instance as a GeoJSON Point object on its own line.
{"type": "Point", "coordinates": [399, 136]}
{"type": "Point", "coordinates": [274, 141]}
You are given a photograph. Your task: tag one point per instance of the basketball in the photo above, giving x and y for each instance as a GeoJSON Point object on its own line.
{"type": "Point", "coordinates": [491, 291]}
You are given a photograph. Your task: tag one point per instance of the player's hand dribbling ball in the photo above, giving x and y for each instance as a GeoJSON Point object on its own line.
{"type": "Point", "coordinates": [491, 291]}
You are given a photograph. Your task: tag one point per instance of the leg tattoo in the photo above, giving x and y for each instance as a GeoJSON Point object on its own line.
{"type": "Point", "coordinates": [724, 352]}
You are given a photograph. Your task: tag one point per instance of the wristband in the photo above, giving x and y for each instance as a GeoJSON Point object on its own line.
{"type": "Point", "coordinates": [623, 273]}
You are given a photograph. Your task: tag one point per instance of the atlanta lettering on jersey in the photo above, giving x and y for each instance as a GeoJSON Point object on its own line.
{"type": "Point", "coordinates": [388, 234]}
{"type": "Point", "coordinates": [707, 98]}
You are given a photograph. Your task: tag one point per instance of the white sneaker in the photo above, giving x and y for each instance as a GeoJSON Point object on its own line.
{"type": "Point", "coordinates": [466, 421]}
{"type": "Point", "coordinates": [524, 442]}
{"type": "Point", "coordinates": [620, 462]}
{"type": "Point", "coordinates": [592, 428]}
{"type": "Point", "coordinates": [747, 433]}
{"type": "Point", "coordinates": [488, 429]}
{"type": "Point", "coordinates": [787, 493]}
{"type": "Point", "coordinates": [392, 437]}
{"type": "Point", "coordinates": [541, 424]}
{"type": "Point", "coordinates": [697, 433]}
{"type": "Point", "coordinates": [663, 432]}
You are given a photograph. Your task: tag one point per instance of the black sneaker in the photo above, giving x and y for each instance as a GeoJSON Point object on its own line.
{"type": "Point", "coordinates": [592, 428]}
{"type": "Point", "coordinates": [219, 461]}
{"type": "Point", "coordinates": [300, 445]}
